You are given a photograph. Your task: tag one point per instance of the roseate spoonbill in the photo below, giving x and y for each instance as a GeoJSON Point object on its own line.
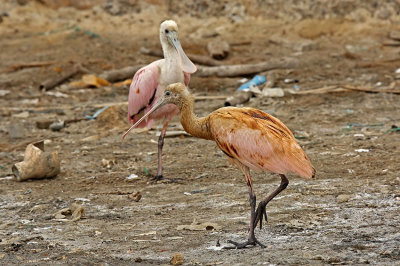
{"type": "Point", "coordinates": [250, 138]}
{"type": "Point", "coordinates": [149, 82]}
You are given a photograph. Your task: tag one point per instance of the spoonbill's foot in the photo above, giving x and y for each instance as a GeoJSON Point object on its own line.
{"type": "Point", "coordinates": [157, 178]}
{"type": "Point", "coordinates": [162, 179]}
{"type": "Point", "coordinates": [260, 214]}
{"type": "Point", "coordinates": [250, 242]}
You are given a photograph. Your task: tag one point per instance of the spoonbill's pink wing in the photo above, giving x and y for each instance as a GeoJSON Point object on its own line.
{"type": "Point", "coordinates": [142, 92]}
{"type": "Point", "coordinates": [259, 141]}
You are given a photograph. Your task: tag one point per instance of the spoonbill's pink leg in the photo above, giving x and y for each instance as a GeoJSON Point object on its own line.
{"type": "Point", "coordinates": [159, 175]}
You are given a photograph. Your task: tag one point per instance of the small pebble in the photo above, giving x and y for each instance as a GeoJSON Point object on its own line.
{"type": "Point", "coordinates": [343, 198]}
{"type": "Point", "coordinates": [177, 259]}
{"type": "Point", "coordinates": [91, 138]}
{"type": "Point", "coordinates": [57, 126]}
{"type": "Point", "coordinates": [16, 131]}
{"type": "Point", "coordinates": [135, 197]}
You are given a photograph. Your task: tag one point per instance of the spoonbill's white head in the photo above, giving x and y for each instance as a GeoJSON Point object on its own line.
{"type": "Point", "coordinates": [169, 38]}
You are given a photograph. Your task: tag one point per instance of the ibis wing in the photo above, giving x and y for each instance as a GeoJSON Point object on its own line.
{"type": "Point", "coordinates": [259, 141]}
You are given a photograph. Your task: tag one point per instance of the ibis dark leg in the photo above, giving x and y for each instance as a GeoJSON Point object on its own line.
{"type": "Point", "coordinates": [159, 175]}
{"type": "Point", "coordinates": [261, 212]}
{"type": "Point", "coordinates": [252, 239]}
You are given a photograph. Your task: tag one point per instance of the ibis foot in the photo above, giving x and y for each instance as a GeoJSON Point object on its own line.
{"type": "Point", "coordinates": [260, 214]}
{"type": "Point", "coordinates": [250, 242]}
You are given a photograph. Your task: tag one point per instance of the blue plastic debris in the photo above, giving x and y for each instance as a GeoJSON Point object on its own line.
{"type": "Point", "coordinates": [96, 114]}
{"type": "Point", "coordinates": [257, 80]}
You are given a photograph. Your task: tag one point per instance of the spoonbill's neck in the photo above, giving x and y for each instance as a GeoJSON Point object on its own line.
{"type": "Point", "coordinates": [170, 55]}
{"type": "Point", "coordinates": [196, 126]}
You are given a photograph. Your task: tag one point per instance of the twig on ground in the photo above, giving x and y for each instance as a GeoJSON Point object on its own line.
{"type": "Point", "coordinates": [246, 69]}
{"type": "Point", "coordinates": [120, 74]}
{"type": "Point", "coordinates": [375, 90]}
{"type": "Point", "coordinates": [344, 88]}
{"type": "Point", "coordinates": [198, 59]}
{"type": "Point", "coordinates": [54, 81]}
{"type": "Point", "coordinates": [27, 65]}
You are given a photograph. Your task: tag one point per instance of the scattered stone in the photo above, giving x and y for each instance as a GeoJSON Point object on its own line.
{"type": "Point", "coordinates": [394, 35]}
{"type": "Point", "coordinates": [107, 163]}
{"type": "Point", "coordinates": [195, 226]}
{"type": "Point", "coordinates": [57, 94]}
{"type": "Point", "coordinates": [22, 2]}
{"type": "Point", "coordinates": [361, 150]}
{"type": "Point", "coordinates": [135, 197]}
{"type": "Point", "coordinates": [37, 163]}
{"type": "Point", "coordinates": [177, 259]}
{"type": "Point", "coordinates": [273, 92]}
{"type": "Point", "coordinates": [75, 210]}
{"type": "Point", "coordinates": [4, 92]}
{"type": "Point", "coordinates": [43, 124]}
{"type": "Point", "coordinates": [24, 114]}
{"type": "Point", "coordinates": [16, 131]}
{"type": "Point", "coordinates": [91, 138]}
{"type": "Point", "coordinates": [113, 117]}
{"type": "Point", "coordinates": [218, 49]}
{"type": "Point", "coordinates": [383, 13]}
{"type": "Point", "coordinates": [343, 198]}
{"type": "Point", "coordinates": [132, 176]}
{"type": "Point", "coordinates": [78, 4]}
{"type": "Point", "coordinates": [57, 126]}
{"type": "Point", "coordinates": [306, 45]}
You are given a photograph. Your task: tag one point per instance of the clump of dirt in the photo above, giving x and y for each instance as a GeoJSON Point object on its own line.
{"type": "Point", "coordinates": [115, 116]}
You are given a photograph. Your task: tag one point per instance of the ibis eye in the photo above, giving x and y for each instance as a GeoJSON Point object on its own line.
{"type": "Point", "coordinates": [167, 93]}
{"type": "Point", "coordinates": [166, 31]}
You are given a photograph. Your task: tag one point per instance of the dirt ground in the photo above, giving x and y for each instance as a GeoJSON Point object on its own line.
{"type": "Point", "coordinates": [349, 215]}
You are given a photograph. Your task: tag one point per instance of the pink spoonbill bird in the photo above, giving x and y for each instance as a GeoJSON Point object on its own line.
{"type": "Point", "coordinates": [149, 83]}
{"type": "Point", "coordinates": [250, 138]}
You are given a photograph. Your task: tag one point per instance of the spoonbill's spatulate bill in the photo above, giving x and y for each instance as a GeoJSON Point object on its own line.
{"type": "Point", "coordinates": [149, 83]}
{"type": "Point", "coordinates": [250, 138]}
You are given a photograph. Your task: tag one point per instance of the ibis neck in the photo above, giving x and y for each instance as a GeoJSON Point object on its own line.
{"type": "Point", "coordinates": [196, 126]}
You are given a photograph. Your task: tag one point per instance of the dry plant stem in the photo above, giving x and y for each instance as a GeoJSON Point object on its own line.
{"type": "Point", "coordinates": [198, 59]}
{"type": "Point", "coordinates": [246, 69]}
{"type": "Point", "coordinates": [328, 89]}
{"type": "Point", "coordinates": [238, 97]}
{"type": "Point", "coordinates": [344, 88]}
{"type": "Point", "coordinates": [27, 65]}
{"type": "Point", "coordinates": [356, 88]}
{"type": "Point", "coordinates": [378, 63]}
{"type": "Point", "coordinates": [54, 81]}
{"type": "Point", "coordinates": [120, 74]}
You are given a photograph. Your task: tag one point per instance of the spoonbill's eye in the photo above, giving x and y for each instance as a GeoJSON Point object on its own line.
{"type": "Point", "coordinates": [166, 31]}
{"type": "Point", "coordinates": [167, 93]}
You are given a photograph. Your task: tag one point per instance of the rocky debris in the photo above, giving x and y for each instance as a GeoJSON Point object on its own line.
{"type": "Point", "coordinates": [37, 163]}
{"type": "Point", "coordinates": [75, 211]}
{"type": "Point", "coordinates": [218, 49]}
{"type": "Point", "coordinates": [177, 259]}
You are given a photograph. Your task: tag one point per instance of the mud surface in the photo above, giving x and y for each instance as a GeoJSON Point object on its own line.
{"type": "Point", "coordinates": [348, 215]}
